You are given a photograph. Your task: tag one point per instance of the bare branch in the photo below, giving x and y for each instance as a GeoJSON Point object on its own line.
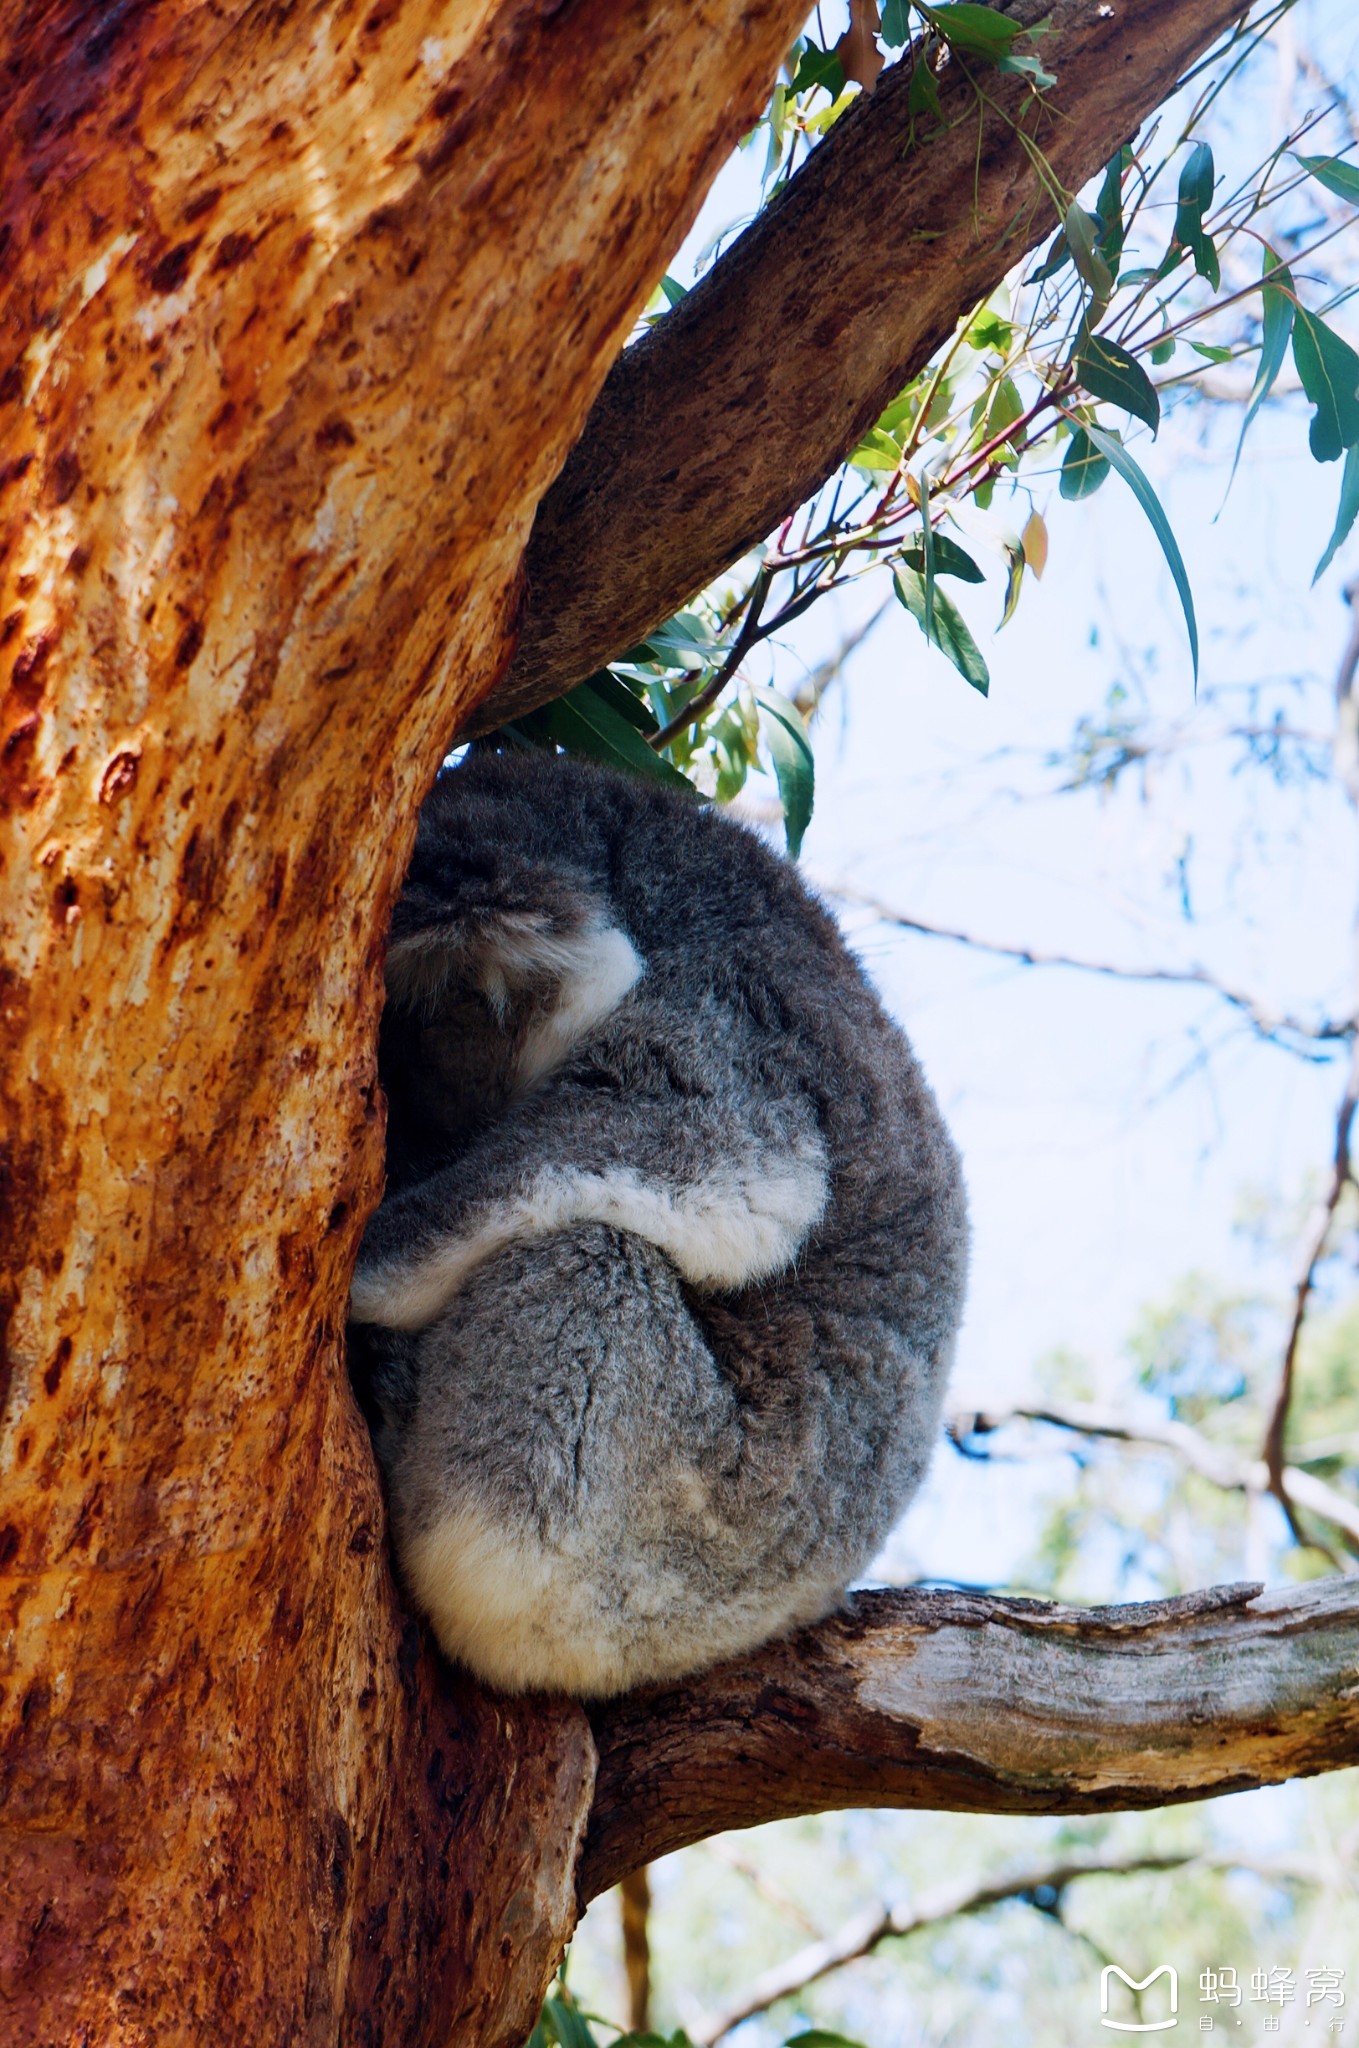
{"type": "Point", "coordinates": [861, 1935]}
{"type": "Point", "coordinates": [1219, 1466]}
{"type": "Point", "coordinates": [794, 342]}
{"type": "Point", "coordinates": [1318, 1233]}
{"type": "Point", "coordinates": [971, 1703]}
{"type": "Point", "coordinates": [1277, 1025]}
{"type": "Point", "coordinates": [1313, 1251]}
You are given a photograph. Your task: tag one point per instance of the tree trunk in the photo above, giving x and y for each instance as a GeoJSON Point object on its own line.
{"type": "Point", "coordinates": [303, 309]}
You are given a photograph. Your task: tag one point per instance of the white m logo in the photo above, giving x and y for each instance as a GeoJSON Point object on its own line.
{"type": "Point", "coordinates": [1138, 2026]}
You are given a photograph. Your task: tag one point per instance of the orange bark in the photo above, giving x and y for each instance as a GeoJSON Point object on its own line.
{"type": "Point", "coordinates": [302, 310]}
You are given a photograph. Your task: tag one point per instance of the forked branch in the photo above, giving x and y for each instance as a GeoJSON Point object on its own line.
{"type": "Point", "coordinates": [972, 1703]}
{"type": "Point", "coordinates": [748, 395]}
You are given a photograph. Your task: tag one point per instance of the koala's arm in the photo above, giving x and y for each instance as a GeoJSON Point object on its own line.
{"type": "Point", "coordinates": [726, 1184]}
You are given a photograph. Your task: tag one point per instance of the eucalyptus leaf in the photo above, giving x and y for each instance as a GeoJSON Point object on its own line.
{"type": "Point", "coordinates": [1082, 236]}
{"type": "Point", "coordinates": [1329, 371]}
{"type": "Point", "coordinates": [624, 701]}
{"type": "Point", "coordinates": [1027, 66]}
{"type": "Point", "coordinates": [896, 23]}
{"type": "Point", "coordinates": [922, 95]}
{"type": "Point", "coordinates": [877, 451]}
{"type": "Point", "coordinates": [817, 2037]}
{"type": "Point", "coordinates": [1335, 174]}
{"type": "Point", "coordinates": [1349, 505]}
{"type": "Point", "coordinates": [950, 634]}
{"type": "Point", "coordinates": [1195, 197]}
{"type": "Point", "coordinates": [1109, 445]}
{"type": "Point", "coordinates": [794, 769]}
{"type": "Point", "coordinates": [1014, 578]}
{"type": "Point", "coordinates": [1058, 254]}
{"type": "Point", "coordinates": [583, 723]}
{"type": "Point", "coordinates": [1109, 207]}
{"type": "Point", "coordinates": [980, 31]}
{"type": "Point", "coordinates": [1108, 371]}
{"type": "Point", "coordinates": [949, 559]}
{"type": "Point", "coordinates": [1277, 299]}
{"type": "Point", "coordinates": [1083, 467]}
{"type": "Point", "coordinates": [819, 67]}
{"type": "Point", "coordinates": [566, 2024]}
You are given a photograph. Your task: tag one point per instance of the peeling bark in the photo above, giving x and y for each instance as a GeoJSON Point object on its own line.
{"type": "Point", "coordinates": [972, 1704]}
{"type": "Point", "coordinates": [740, 404]}
{"type": "Point", "coordinates": [301, 310]}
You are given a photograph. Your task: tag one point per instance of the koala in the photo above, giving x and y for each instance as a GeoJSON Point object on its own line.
{"type": "Point", "coordinates": [656, 1313]}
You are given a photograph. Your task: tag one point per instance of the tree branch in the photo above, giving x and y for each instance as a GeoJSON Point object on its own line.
{"type": "Point", "coordinates": [860, 1936]}
{"type": "Point", "coordinates": [1213, 1462]}
{"type": "Point", "coordinates": [733, 410]}
{"type": "Point", "coordinates": [970, 1703]}
{"type": "Point", "coordinates": [1271, 1024]}
{"type": "Point", "coordinates": [1346, 751]}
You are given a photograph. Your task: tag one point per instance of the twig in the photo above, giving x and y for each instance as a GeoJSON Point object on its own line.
{"type": "Point", "coordinates": [861, 1935]}
{"type": "Point", "coordinates": [1268, 1024]}
{"type": "Point", "coordinates": [1219, 1466]}
{"type": "Point", "coordinates": [1323, 1215]}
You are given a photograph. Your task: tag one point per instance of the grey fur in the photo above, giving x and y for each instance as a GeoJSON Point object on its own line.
{"type": "Point", "coordinates": [673, 1253]}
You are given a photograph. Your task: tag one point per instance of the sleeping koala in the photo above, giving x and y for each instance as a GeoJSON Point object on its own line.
{"type": "Point", "coordinates": [667, 1277]}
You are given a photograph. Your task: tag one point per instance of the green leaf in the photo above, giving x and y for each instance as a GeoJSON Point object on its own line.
{"type": "Point", "coordinates": [819, 67]}
{"type": "Point", "coordinates": [1210, 353]}
{"type": "Point", "coordinates": [896, 23]}
{"type": "Point", "coordinates": [898, 412]}
{"type": "Point", "coordinates": [1335, 174]}
{"type": "Point", "coordinates": [1196, 190]}
{"type": "Point", "coordinates": [949, 559]}
{"type": "Point", "coordinates": [1032, 68]}
{"type": "Point", "coordinates": [1163, 351]}
{"type": "Point", "coordinates": [1195, 197]}
{"type": "Point", "coordinates": [950, 634]}
{"type": "Point", "coordinates": [1109, 445]}
{"type": "Point", "coordinates": [1014, 577]}
{"type": "Point", "coordinates": [922, 96]}
{"type": "Point", "coordinates": [1109, 371]}
{"type": "Point", "coordinates": [564, 2021]}
{"type": "Point", "coordinates": [1109, 207]}
{"type": "Point", "coordinates": [1349, 505]}
{"type": "Point", "coordinates": [1059, 252]}
{"type": "Point", "coordinates": [624, 701]}
{"type": "Point", "coordinates": [1329, 370]}
{"type": "Point", "coordinates": [584, 723]}
{"type": "Point", "coordinates": [978, 30]}
{"type": "Point", "coordinates": [817, 2037]}
{"type": "Point", "coordinates": [791, 753]}
{"type": "Point", "coordinates": [876, 451]}
{"type": "Point", "coordinates": [1083, 467]}
{"type": "Point", "coordinates": [991, 329]}
{"type": "Point", "coordinates": [673, 289]}
{"type": "Point", "coordinates": [1082, 237]}
{"type": "Point", "coordinates": [927, 556]}
{"type": "Point", "coordinates": [1277, 297]}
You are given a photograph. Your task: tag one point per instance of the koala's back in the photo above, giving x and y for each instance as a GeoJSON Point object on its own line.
{"type": "Point", "coordinates": [677, 1235]}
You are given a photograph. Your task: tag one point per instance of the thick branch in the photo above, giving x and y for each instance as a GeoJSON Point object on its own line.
{"type": "Point", "coordinates": [746, 397]}
{"type": "Point", "coordinates": [975, 1704]}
